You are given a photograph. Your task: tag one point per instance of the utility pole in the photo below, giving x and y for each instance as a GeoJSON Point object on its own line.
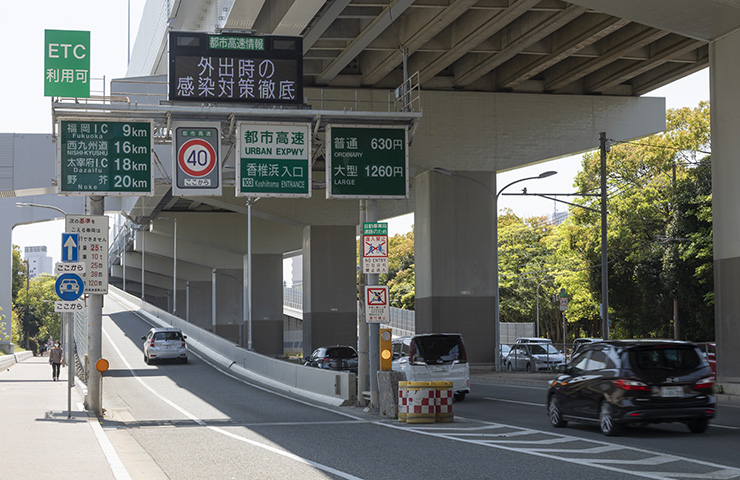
{"type": "Point", "coordinates": [603, 147]}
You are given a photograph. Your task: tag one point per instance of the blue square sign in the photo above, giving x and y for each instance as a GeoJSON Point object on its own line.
{"type": "Point", "coordinates": [70, 247]}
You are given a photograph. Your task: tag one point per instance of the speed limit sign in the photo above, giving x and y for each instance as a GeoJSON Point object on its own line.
{"type": "Point", "coordinates": [195, 158]}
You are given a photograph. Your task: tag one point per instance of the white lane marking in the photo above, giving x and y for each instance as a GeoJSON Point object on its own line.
{"type": "Point", "coordinates": [535, 448]}
{"type": "Point", "coordinates": [253, 385]}
{"type": "Point", "coordinates": [224, 432]}
{"type": "Point", "coordinates": [518, 402]}
{"type": "Point", "coordinates": [119, 471]}
{"type": "Point", "coordinates": [724, 426]}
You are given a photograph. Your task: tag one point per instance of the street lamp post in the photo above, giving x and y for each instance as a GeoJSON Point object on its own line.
{"type": "Point", "coordinates": [497, 318]}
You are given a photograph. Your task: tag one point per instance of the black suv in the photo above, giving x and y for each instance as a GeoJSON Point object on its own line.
{"type": "Point", "coordinates": [339, 357]}
{"type": "Point", "coordinates": [616, 382]}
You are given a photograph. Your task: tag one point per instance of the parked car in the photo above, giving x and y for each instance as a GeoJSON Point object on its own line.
{"type": "Point", "coordinates": [338, 357]}
{"type": "Point", "coordinates": [165, 343]}
{"type": "Point", "coordinates": [532, 340]}
{"type": "Point", "coordinates": [432, 357]}
{"type": "Point", "coordinates": [504, 349]}
{"type": "Point", "coordinates": [709, 351]}
{"type": "Point", "coordinates": [616, 382]}
{"type": "Point", "coordinates": [534, 357]}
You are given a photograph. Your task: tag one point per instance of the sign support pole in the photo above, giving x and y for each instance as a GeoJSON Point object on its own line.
{"type": "Point", "coordinates": [95, 331]}
{"type": "Point", "coordinates": [371, 215]}
{"type": "Point", "coordinates": [363, 366]}
{"type": "Point", "coordinates": [69, 344]}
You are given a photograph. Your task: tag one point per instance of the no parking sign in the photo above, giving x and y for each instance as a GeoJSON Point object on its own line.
{"type": "Point", "coordinates": [195, 158]}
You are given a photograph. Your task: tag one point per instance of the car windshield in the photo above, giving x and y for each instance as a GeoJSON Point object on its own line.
{"type": "Point", "coordinates": [669, 358]}
{"type": "Point", "coordinates": [341, 352]}
{"type": "Point", "coordinates": [543, 349]}
{"type": "Point", "coordinates": [167, 336]}
{"type": "Point", "coordinates": [439, 349]}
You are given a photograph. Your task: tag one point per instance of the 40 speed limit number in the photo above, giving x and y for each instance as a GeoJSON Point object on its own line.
{"type": "Point", "coordinates": [197, 157]}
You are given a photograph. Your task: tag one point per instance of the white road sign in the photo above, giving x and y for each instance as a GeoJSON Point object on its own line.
{"type": "Point", "coordinates": [68, 267]}
{"type": "Point", "coordinates": [73, 306]}
{"type": "Point", "coordinates": [93, 249]}
{"type": "Point", "coordinates": [377, 308]}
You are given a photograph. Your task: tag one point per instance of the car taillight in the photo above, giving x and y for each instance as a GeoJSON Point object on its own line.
{"type": "Point", "coordinates": [183, 344]}
{"type": "Point", "coordinates": [631, 385]}
{"type": "Point", "coordinates": [152, 344]}
{"type": "Point", "coordinates": [704, 384]}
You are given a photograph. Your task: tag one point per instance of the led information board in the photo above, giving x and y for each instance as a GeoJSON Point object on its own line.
{"type": "Point", "coordinates": [235, 68]}
{"type": "Point", "coordinates": [366, 162]}
{"type": "Point", "coordinates": [273, 160]}
{"type": "Point", "coordinates": [105, 158]}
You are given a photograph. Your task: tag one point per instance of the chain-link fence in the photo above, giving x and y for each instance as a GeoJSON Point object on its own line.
{"type": "Point", "coordinates": [80, 344]}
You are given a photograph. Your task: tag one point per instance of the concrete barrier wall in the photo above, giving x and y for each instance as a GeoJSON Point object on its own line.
{"type": "Point", "coordinates": [326, 386]}
{"type": "Point", "coordinates": [10, 360]}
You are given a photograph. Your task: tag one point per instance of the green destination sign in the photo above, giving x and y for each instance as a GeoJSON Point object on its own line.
{"type": "Point", "coordinates": [366, 162]}
{"type": "Point", "coordinates": [105, 158]}
{"type": "Point", "coordinates": [274, 160]}
{"type": "Point", "coordinates": [66, 63]}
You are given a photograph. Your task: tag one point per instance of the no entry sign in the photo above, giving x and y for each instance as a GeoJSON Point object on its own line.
{"type": "Point", "coordinates": [196, 158]}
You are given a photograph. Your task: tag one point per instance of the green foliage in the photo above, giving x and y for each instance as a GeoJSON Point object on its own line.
{"type": "Point", "coordinates": [401, 277]}
{"type": "Point", "coordinates": [35, 308]}
{"type": "Point", "coordinates": [19, 272]}
{"type": "Point", "coordinates": [659, 237]}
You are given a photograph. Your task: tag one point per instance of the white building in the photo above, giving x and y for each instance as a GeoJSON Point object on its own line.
{"type": "Point", "coordinates": [38, 261]}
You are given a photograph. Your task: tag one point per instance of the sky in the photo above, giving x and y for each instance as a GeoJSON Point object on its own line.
{"type": "Point", "coordinates": [26, 110]}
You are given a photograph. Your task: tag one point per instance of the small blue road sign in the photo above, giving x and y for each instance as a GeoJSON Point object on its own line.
{"type": "Point", "coordinates": [69, 286]}
{"type": "Point", "coordinates": [70, 247]}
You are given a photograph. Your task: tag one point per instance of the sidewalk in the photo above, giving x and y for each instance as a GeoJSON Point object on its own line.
{"type": "Point", "coordinates": [37, 437]}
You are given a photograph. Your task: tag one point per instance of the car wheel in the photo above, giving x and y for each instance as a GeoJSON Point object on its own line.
{"type": "Point", "coordinates": [184, 360]}
{"type": "Point", "coordinates": [607, 424]}
{"type": "Point", "coordinates": [148, 360]}
{"type": "Point", "coordinates": [698, 425]}
{"type": "Point", "coordinates": [529, 368]}
{"type": "Point", "coordinates": [459, 397]}
{"type": "Point", "coordinates": [510, 367]}
{"type": "Point", "coordinates": [555, 414]}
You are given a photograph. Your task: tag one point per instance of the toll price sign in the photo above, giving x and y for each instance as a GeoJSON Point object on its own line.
{"type": "Point", "coordinates": [92, 232]}
{"type": "Point", "coordinates": [195, 158]}
{"type": "Point", "coordinates": [105, 158]}
{"type": "Point", "coordinates": [274, 160]}
{"type": "Point", "coordinates": [377, 309]}
{"type": "Point", "coordinates": [366, 162]}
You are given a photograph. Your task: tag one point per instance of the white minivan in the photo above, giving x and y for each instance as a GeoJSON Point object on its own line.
{"type": "Point", "coordinates": [433, 357]}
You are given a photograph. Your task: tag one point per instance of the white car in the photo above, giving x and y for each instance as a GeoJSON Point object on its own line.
{"type": "Point", "coordinates": [165, 343]}
{"type": "Point", "coordinates": [433, 357]}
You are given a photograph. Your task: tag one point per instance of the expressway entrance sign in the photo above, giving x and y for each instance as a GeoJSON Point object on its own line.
{"type": "Point", "coordinates": [377, 308]}
{"type": "Point", "coordinates": [366, 162]}
{"type": "Point", "coordinates": [105, 157]}
{"type": "Point", "coordinates": [274, 160]}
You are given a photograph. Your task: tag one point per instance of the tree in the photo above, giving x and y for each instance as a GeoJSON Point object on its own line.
{"type": "Point", "coordinates": [19, 272]}
{"type": "Point", "coordinates": [35, 309]}
{"type": "Point", "coordinates": [401, 276]}
{"type": "Point", "coordinates": [658, 198]}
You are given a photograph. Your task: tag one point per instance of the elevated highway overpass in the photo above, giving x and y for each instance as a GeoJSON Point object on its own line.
{"type": "Point", "coordinates": [504, 83]}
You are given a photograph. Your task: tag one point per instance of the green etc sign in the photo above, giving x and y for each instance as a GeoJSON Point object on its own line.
{"type": "Point", "coordinates": [274, 160]}
{"type": "Point", "coordinates": [66, 63]}
{"type": "Point", "coordinates": [366, 162]}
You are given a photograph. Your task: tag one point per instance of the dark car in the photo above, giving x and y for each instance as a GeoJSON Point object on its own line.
{"type": "Point", "coordinates": [339, 357]}
{"type": "Point", "coordinates": [617, 382]}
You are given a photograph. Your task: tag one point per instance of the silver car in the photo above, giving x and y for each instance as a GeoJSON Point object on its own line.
{"type": "Point", "coordinates": [534, 357]}
{"type": "Point", "coordinates": [165, 343]}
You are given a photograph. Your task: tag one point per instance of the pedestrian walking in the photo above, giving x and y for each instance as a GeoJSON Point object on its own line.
{"type": "Point", "coordinates": [56, 356]}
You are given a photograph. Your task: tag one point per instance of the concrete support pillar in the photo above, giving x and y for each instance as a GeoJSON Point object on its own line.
{"type": "Point", "coordinates": [724, 71]}
{"type": "Point", "coordinates": [267, 303]}
{"type": "Point", "coordinates": [455, 271]}
{"type": "Point", "coordinates": [329, 286]}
